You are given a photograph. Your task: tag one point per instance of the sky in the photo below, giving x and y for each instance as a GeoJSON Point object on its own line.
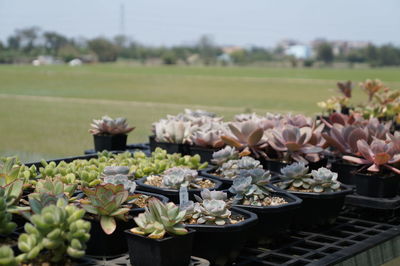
{"type": "Point", "coordinates": [230, 22]}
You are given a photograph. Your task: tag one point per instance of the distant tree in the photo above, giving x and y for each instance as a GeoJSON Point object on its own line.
{"type": "Point", "coordinates": [371, 54]}
{"type": "Point", "coordinates": [14, 42]}
{"type": "Point", "coordinates": [169, 58]}
{"type": "Point", "coordinates": [53, 42]}
{"type": "Point", "coordinates": [356, 56]}
{"type": "Point", "coordinates": [389, 55]}
{"type": "Point", "coordinates": [68, 52]}
{"type": "Point", "coordinates": [308, 62]}
{"type": "Point", "coordinates": [27, 38]}
{"type": "Point", "coordinates": [105, 50]}
{"type": "Point", "coordinates": [325, 53]}
{"type": "Point", "coordinates": [239, 57]}
{"type": "Point", "coordinates": [207, 49]}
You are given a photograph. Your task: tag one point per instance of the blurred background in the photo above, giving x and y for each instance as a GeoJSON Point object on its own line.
{"type": "Point", "coordinates": [64, 63]}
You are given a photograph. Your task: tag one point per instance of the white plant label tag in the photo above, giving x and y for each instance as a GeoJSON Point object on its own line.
{"type": "Point", "coordinates": [183, 196]}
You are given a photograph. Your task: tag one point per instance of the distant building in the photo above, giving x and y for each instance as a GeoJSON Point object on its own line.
{"type": "Point", "coordinates": [299, 51]}
{"type": "Point", "coordinates": [46, 60]}
{"type": "Point", "coordinates": [231, 49]}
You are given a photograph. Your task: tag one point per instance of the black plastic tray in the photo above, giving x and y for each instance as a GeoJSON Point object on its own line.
{"type": "Point", "coordinates": [130, 147]}
{"type": "Point", "coordinates": [346, 238]}
{"type": "Point", "coordinates": [373, 203]}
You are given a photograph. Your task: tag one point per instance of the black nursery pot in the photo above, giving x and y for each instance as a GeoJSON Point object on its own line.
{"type": "Point", "coordinates": [169, 147]}
{"type": "Point", "coordinates": [273, 221]}
{"type": "Point", "coordinates": [221, 244]}
{"type": "Point", "coordinates": [205, 153]}
{"type": "Point", "coordinates": [318, 209]}
{"type": "Point", "coordinates": [169, 251]}
{"type": "Point", "coordinates": [381, 185]}
{"type": "Point", "coordinates": [173, 194]}
{"type": "Point", "coordinates": [110, 143]}
{"type": "Point", "coordinates": [101, 244]}
{"type": "Point", "coordinates": [345, 171]}
{"type": "Point", "coordinates": [276, 165]}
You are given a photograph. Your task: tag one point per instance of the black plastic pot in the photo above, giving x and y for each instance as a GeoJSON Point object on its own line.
{"type": "Point", "coordinates": [173, 194]}
{"type": "Point", "coordinates": [273, 221]}
{"type": "Point", "coordinates": [169, 251]}
{"type": "Point", "coordinates": [221, 244]}
{"type": "Point", "coordinates": [205, 153]}
{"type": "Point", "coordinates": [318, 209]}
{"type": "Point", "coordinates": [345, 171]}
{"type": "Point", "coordinates": [110, 143]}
{"type": "Point", "coordinates": [276, 165]}
{"type": "Point", "coordinates": [101, 244]}
{"type": "Point", "coordinates": [169, 147]}
{"type": "Point", "coordinates": [381, 185]}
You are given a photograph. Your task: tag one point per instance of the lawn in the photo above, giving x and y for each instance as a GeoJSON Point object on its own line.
{"type": "Point", "coordinates": [46, 111]}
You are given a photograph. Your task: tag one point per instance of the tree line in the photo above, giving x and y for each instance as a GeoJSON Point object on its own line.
{"type": "Point", "coordinates": [26, 44]}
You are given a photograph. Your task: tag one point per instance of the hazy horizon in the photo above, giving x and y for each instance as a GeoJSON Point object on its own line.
{"type": "Point", "coordinates": [259, 22]}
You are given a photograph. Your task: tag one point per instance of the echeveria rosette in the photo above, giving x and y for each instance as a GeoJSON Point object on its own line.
{"type": "Point", "coordinates": [296, 175]}
{"type": "Point", "coordinates": [160, 218]}
{"type": "Point", "coordinates": [344, 137]}
{"type": "Point", "coordinates": [324, 180]}
{"type": "Point", "coordinates": [295, 142]}
{"type": "Point", "coordinates": [212, 211]}
{"type": "Point", "coordinates": [377, 154]}
{"type": "Point", "coordinates": [224, 155]}
{"type": "Point", "coordinates": [250, 185]}
{"type": "Point", "coordinates": [177, 177]}
{"type": "Point", "coordinates": [106, 201]}
{"type": "Point", "coordinates": [248, 137]}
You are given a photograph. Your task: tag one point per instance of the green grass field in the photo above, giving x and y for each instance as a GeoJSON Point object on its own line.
{"type": "Point", "coordinates": [45, 112]}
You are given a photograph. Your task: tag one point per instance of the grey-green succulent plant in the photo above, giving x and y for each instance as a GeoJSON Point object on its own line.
{"type": "Point", "coordinates": [249, 187]}
{"type": "Point", "coordinates": [59, 229]}
{"type": "Point", "coordinates": [296, 175]}
{"type": "Point", "coordinates": [179, 176]}
{"type": "Point", "coordinates": [224, 155]}
{"type": "Point", "coordinates": [324, 180]}
{"type": "Point", "coordinates": [232, 168]}
{"type": "Point", "coordinates": [212, 208]}
{"type": "Point", "coordinates": [160, 218]}
{"type": "Point", "coordinates": [119, 175]}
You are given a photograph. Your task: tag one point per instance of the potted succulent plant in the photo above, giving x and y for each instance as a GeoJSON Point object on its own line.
{"type": "Point", "coordinates": [108, 211]}
{"type": "Point", "coordinates": [174, 133]}
{"type": "Point", "coordinates": [57, 234]}
{"type": "Point", "coordinates": [221, 230]}
{"type": "Point", "coordinates": [377, 177]}
{"type": "Point", "coordinates": [323, 196]}
{"type": "Point", "coordinates": [169, 183]}
{"type": "Point", "coordinates": [172, 136]}
{"type": "Point", "coordinates": [119, 175]}
{"type": "Point", "coordinates": [7, 226]}
{"type": "Point", "coordinates": [110, 134]}
{"type": "Point", "coordinates": [343, 140]}
{"type": "Point", "coordinates": [275, 208]}
{"type": "Point", "coordinates": [207, 140]}
{"type": "Point", "coordinates": [295, 144]}
{"type": "Point", "coordinates": [228, 171]}
{"type": "Point", "coordinates": [160, 237]}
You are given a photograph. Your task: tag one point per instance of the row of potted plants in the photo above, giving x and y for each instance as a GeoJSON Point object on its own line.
{"type": "Point", "coordinates": [220, 220]}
